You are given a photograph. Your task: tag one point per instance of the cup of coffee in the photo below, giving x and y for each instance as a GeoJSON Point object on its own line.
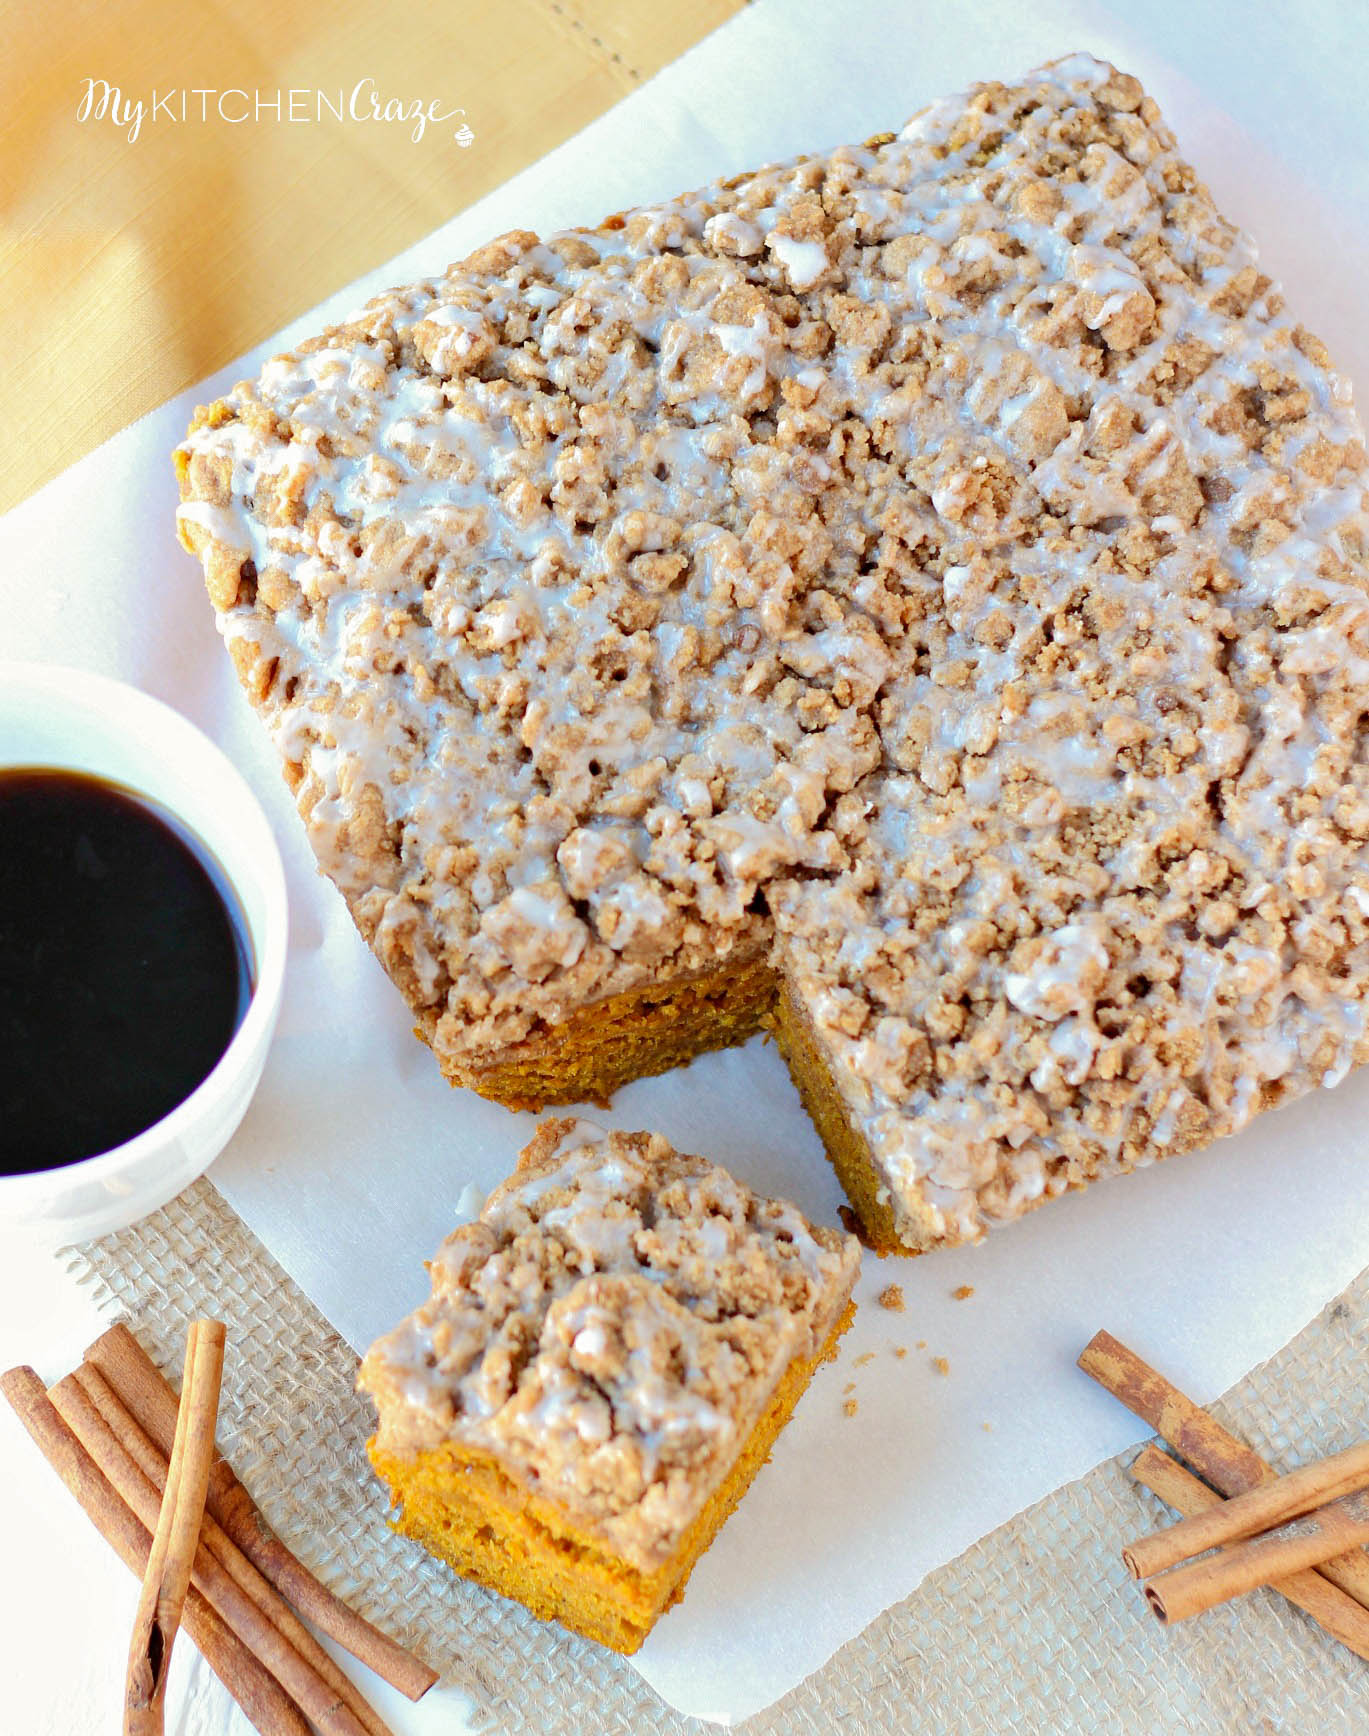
{"type": "Point", "coordinates": [142, 952]}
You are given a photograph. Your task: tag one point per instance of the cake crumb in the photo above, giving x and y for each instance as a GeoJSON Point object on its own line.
{"type": "Point", "coordinates": [848, 1388]}
{"type": "Point", "coordinates": [900, 1351]}
{"type": "Point", "coordinates": [922, 1343]}
{"type": "Point", "coordinates": [963, 1293]}
{"type": "Point", "coordinates": [987, 1428]}
{"type": "Point", "coordinates": [850, 1407]}
{"type": "Point", "coordinates": [891, 1297]}
{"type": "Point", "coordinates": [941, 1365]}
{"type": "Point", "coordinates": [863, 1358]}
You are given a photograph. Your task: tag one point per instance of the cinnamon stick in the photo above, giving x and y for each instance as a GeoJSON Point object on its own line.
{"type": "Point", "coordinates": [166, 1578]}
{"type": "Point", "coordinates": [1343, 1618]}
{"type": "Point", "coordinates": [261, 1697]}
{"type": "Point", "coordinates": [1227, 1463]}
{"type": "Point", "coordinates": [250, 1606]}
{"type": "Point", "coordinates": [1259, 1509]}
{"type": "Point", "coordinates": [87, 1388]}
{"type": "Point", "coordinates": [1201, 1585]}
{"type": "Point", "coordinates": [143, 1390]}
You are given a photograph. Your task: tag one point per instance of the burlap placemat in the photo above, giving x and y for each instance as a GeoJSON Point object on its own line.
{"type": "Point", "coordinates": [1034, 1630]}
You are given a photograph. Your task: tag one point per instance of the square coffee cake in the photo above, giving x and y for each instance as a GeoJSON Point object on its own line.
{"type": "Point", "coordinates": [913, 595]}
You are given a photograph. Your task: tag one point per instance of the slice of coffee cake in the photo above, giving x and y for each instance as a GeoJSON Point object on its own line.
{"type": "Point", "coordinates": [607, 1357]}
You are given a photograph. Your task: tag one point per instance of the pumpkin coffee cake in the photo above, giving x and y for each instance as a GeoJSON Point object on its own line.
{"type": "Point", "coordinates": [913, 595]}
{"type": "Point", "coordinates": [607, 1357]}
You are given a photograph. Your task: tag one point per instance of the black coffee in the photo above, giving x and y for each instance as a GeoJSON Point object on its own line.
{"type": "Point", "coordinates": [125, 966]}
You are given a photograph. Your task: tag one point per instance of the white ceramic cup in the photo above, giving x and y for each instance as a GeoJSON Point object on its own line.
{"type": "Point", "coordinates": [68, 718]}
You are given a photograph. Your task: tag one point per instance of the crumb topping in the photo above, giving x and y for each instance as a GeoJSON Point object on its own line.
{"type": "Point", "coordinates": [942, 560]}
{"type": "Point", "coordinates": [611, 1328]}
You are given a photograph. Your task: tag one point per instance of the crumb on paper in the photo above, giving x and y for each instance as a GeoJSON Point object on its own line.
{"type": "Point", "coordinates": [922, 1344]}
{"type": "Point", "coordinates": [849, 1387]}
{"type": "Point", "coordinates": [987, 1428]}
{"type": "Point", "coordinates": [900, 1351]}
{"type": "Point", "coordinates": [850, 1407]}
{"type": "Point", "coordinates": [963, 1292]}
{"type": "Point", "coordinates": [891, 1297]}
{"type": "Point", "coordinates": [941, 1365]}
{"type": "Point", "coordinates": [863, 1358]}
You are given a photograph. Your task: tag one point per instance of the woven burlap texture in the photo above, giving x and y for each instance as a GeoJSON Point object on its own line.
{"type": "Point", "coordinates": [1034, 1631]}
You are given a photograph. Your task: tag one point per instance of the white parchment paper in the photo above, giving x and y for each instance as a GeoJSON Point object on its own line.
{"type": "Point", "coordinates": [354, 1156]}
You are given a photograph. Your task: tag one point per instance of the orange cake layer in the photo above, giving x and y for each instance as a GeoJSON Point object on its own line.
{"type": "Point", "coordinates": [937, 566]}
{"type": "Point", "coordinates": [607, 1357]}
{"type": "Point", "coordinates": [630, 1035]}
